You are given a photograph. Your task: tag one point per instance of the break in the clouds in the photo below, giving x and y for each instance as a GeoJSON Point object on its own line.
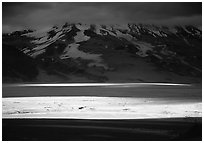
{"type": "Point", "coordinates": [40, 15]}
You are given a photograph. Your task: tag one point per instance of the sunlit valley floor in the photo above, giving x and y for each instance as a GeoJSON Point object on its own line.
{"type": "Point", "coordinates": [102, 113]}
{"type": "Point", "coordinates": [107, 102]}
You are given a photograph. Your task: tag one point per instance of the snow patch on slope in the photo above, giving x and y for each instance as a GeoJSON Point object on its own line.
{"type": "Point", "coordinates": [97, 29]}
{"type": "Point", "coordinates": [45, 39]}
{"type": "Point", "coordinates": [158, 33]}
{"type": "Point", "coordinates": [80, 37]}
{"type": "Point", "coordinates": [125, 36]}
{"type": "Point", "coordinates": [144, 47]}
{"type": "Point", "coordinates": [36, 53]}
{"type": "Point", "coordinates": [72, 51]}
{"type": "Point", "coordinates": [43, 42]}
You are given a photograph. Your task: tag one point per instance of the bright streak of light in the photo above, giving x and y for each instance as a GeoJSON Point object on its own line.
{"type": "Point", "coordinates": [94, 84]}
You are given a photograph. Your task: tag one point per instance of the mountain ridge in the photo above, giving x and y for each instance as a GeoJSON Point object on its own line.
{"type": "Point", "coordinates": [97, 53]}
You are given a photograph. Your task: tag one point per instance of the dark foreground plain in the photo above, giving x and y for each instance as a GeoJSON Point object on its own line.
{"type": "Point", "coordinates": [172, 129]}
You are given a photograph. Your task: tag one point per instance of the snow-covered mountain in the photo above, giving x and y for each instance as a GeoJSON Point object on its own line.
{"type": "Point", "coordinates": [78, 52]}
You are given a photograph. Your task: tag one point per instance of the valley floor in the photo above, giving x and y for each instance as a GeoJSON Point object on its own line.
{"type": "Point", "coordinates": [102, 113]}
{"type": "Point", "coordinates": [108, 102]}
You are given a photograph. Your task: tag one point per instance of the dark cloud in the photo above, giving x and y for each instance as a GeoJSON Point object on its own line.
{"type": "Point", "coordinates": [42, 15]}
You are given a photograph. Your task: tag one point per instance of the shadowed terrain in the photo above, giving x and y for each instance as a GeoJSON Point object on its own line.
{"type": "Point", "coordinates": [174, 129]}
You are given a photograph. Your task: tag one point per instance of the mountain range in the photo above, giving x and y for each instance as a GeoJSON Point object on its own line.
{"type": "Point", "coordinates": [77, 52]}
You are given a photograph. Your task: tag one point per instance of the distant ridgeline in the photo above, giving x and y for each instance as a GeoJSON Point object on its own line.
{"type": "Point", "coordinates": [103, 53]}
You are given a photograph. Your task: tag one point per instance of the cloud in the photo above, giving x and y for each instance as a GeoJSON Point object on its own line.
{"type": "Point", "coordinates": [42, 15]}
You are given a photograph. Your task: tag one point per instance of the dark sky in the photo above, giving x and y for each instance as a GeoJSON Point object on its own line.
{"type": "Point", "coordinates": [40, 15]}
